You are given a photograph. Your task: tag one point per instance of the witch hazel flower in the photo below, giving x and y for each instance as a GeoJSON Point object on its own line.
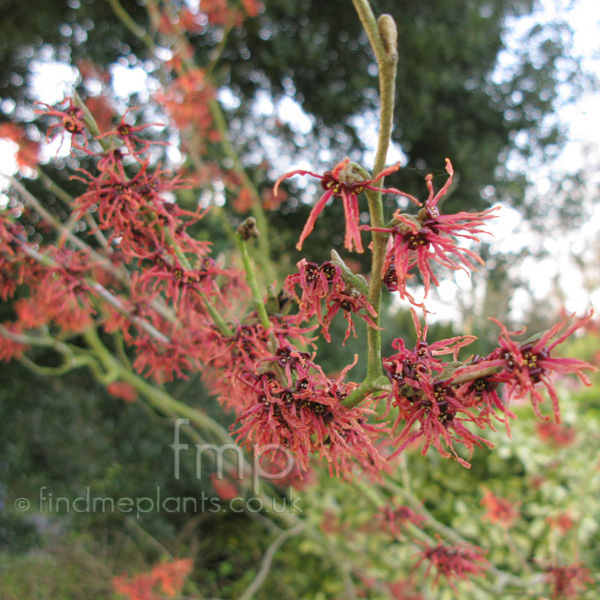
{"type": "Point", "coordinates": [482, 393]}
{"type": "Point", "coordinates": [499, 510]}
{"type": "Point", "coordinates": [567, 581]}
{"type": "Point", "coordinates": [315, 282]}
{"type": "Point", "coordinates": [345, 183]}
{"type": "Point", "coordinates": [527, 367]}
{"type": "Point", "coordinates": [304, 414]}
{"type": "Point", "coordinates": [397, 519]}
{"type": "Point", "coordinates": [164, 579]}
{"type": "Point", "coordinates": [460, 562]}
{"type": "Point", "coordinates": [324, 285]}
{"type": "Point", "coordinates": [71, 119]}
{"type": "Point", "coordinates": [430, 237]}
{"type": "Point", "coordinates": [429, 408]}
{"type": "Point", "coordinates": [229, 360]}
{"type": "Point", "coordinates": [129, 135]}
{"type": "Point", "coordinates": [181, 285]}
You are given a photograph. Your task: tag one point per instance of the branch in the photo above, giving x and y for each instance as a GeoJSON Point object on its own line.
{"type": "Point", "coordinates": [382, 36]}
{"type": "Point", "coordinates": [268, 560]}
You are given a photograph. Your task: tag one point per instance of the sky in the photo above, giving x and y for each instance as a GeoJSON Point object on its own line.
{"type": "Point", "coordinates": [51, 82]}
{"type": "Point", "coordinates": [561, 266]}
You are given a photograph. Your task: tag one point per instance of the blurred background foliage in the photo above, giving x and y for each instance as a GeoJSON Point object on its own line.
{"type": "Point", "coordinates": [456, 97]}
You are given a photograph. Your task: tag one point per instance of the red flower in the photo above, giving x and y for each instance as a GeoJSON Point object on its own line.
{"type": "Point", "coordinates": [145, 586]}
{"type": "Point", "coordinates": [556, 434]}
{"type": "Point", "coordinates": [164, 361]}
{"type": "Point", "coordinates": [529, 364]}
{"type": "Point", "coordinates": [482, 393]}
{"type": "Point", "coordinates": [567, 581]}
{"type": "Point", "coordinates": [71, 119]}
{"type": "Point", "coordinates": [561, 521]}
{"type": "Point", "coordinates": [183, 286]}
{"type": "Point", "coordinates": [499, 510]}
{"type": "Point", "coordinates": [423, 396]}
{"type": "Point", "coordinates": [324, 283]}
{"type": "Point", "coordinates": [342, 182]}
{"type": "Point", "coordinates": [172, 575]}
{"type": "Point", "coordinates": [429, 238]}
{"type": "Point", "coordinates": [139, 587]}
{"type": "Point", "coordinates": [128, 134]}
{"type": "Point", "coordinates": [453, 562]}
{"type": "Point", "coordinates": [303, 413]}
{"type": "Point", "coordinates": [397, 518]}
{"type": "Point", "coordinates": [123, 390]}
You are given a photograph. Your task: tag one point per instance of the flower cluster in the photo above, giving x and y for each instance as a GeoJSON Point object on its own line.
{"type": "Point", "coordinates": [324, 284]}
{"type": "Point", "coordinates": [442, 397]}
{"type": "Point", "coordinates": [295, 406]}
{"type": "Point", "coordinates": [453, 562]}
{"type": "Point", "coordinates": [416, 243]}
{"type": "Point", "coordinates": [123, 280]}
{"type": "Point", "coordinates": [140, 277]}
{"type": "Point", "coordinates": [423, 394]}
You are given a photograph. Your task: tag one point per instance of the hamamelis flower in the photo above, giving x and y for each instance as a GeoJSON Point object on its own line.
{"type": "Point", "coordinates": [397, 518]}
{"type": "Point", "coordinates": [303, 413]}
{"type": "Point", "coordinates": [430, 238]}
{"type": "Point", "coordinates": [343, 182]}
{"type": "Point", "coordinates": [567, 581]}
{"type": "Point", "coordinates": [529, 364]}
{"type": "Point", "coordinates": [429, 407]}
{"type": "Point", "coordinates": [71, 119]}
{"type": "Point", "coordinates": [165, 578]}
{"type": "Point", "coordinates": [558, 435]}
{"type": "Point", "coordinates": [453, 562]}
{"type": "Point", "coordinates": [323, 285]}
{"type": "Point", "coordinates": [128, 134]}
{"type": "Point", "coordinates": [499, 510]}
{"type": "Point", "coordinates": [482, 393]}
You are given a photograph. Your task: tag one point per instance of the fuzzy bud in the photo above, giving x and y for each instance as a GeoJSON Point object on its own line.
{"type": "Point", "coordinates": [389, 34]}
{"type": "Point", "coordinates": [247, 229]}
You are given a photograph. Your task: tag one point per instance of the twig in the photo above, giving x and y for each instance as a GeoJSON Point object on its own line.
{"type": "Point", "coordinates": [268, 560]}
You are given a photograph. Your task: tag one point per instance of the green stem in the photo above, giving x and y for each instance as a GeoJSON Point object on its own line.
{"type": "Point", "coordinates": [382, 36]}
{"type": "Point", "coordinates": [215, 315]}
{"type": "Point", "coordinates": [155, 396]}
{"type": "Point", "coordinates": [126, 19]}
{"type": "Point", "coordinates": [252, 283]}
{"type": "Point", "coordinates": [89, 120]}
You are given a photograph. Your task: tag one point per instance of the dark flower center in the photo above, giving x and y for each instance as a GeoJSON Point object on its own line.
{"type": "Point", "coordinates": [416, 240]}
